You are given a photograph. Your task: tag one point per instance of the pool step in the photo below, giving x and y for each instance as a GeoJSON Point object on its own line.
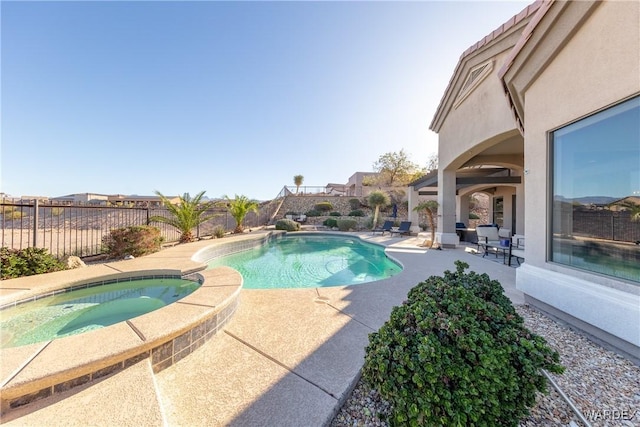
{"type": "Point", "coordinates": [127, 398]}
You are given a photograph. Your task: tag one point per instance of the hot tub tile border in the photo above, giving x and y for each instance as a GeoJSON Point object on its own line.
{"type": "Point", "coordinates": [191, 276]}
{"type": "Point", "coordinates": [175, 349]}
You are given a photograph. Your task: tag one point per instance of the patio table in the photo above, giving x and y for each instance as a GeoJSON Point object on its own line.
{"type": "Point", "coordinates": [496, 248]}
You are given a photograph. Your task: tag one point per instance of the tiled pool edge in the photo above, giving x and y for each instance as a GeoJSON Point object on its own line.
{"type": "Point", "coordinates": [177, 346]}
{"type": "Point", "coordinates": [163, 352]}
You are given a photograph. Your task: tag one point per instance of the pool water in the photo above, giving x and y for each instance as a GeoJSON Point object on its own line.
{"type": "Point", "coordinates": [309, 261]}
{"type": "Point", "coordinates": [87, 309]}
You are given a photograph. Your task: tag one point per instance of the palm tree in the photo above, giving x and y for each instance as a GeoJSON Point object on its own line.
{"type": "Point", "coordinates": [429, 207]}
{"type": "Point", "coordinates": [186, 215]}
{"type": "Point", "coordinates": [239, 208]}
{"type": "Point", "coordinates": [632, 207]}
{"type": "Point", "coordinates": [297, 180]}
{"type": "Point", "coordinates": [377, 199]}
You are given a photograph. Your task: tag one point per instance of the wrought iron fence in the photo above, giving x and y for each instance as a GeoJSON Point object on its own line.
{"type": "Point", "coordinates": [80, 230]}
{"type": "Point", "coordinates": [606, 224]}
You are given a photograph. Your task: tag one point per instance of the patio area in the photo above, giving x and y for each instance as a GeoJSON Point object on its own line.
{"type": "Point", "coordinates": [287, 357]}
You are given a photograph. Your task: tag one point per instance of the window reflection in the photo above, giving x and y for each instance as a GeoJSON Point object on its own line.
{"type": "Point", "coordinates": [596, 192]}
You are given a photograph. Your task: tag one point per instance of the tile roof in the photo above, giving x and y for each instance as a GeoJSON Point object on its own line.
{"type": "Point", "coordinates": [525, 13]}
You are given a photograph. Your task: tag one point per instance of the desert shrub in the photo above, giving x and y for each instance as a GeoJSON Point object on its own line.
{"type": "Point", "coordinates": [323, 206]}
{"type": "Point", "coordinates": [27, 262]}
{"type": "Point", "coordinates": [335, 214]}
{"type": "Point", "coordinates": [346, 224]}
{"type": "Point", "coordinates": [313, 212]}
{"type": "Point", "coordinates": [219, 231]}
{"type": "Point", "coordinates": [287, 225]}
{"type": "Point", "coordinates": [457, 353]}
{"type": "Point", "coordinates": [137, 240]}
{"type": "Point", "coordinates": [357, 212]}
{"type": "Point", "coordinates": [368, 223]}
{"type": "Point", "coordinates": [330, 222]}
{"type": "Point", "coordinates": [473, 216]}
{"type": "Point", "coordinates": [354, 203]}
{"type": "Point", "coordinates": [11, 212]}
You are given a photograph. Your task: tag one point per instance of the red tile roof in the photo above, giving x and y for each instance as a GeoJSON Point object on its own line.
{"type": "Point", "coordinates": [525, 13]}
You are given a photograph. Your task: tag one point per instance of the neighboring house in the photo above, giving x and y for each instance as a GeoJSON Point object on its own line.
{"type": "Point", "coordinates": [115, 199]}
{"type": "Point", "coordinates": [81, 199]}
{"type": "Point", "coordinates": [141, 201]}
{"type": "Point", "coordinates": [336, 189]}
{"type": "Point", "coordinates": [29, 199]}
{"type": "Point", "coordinates": [543, 115]}
{"type": "Point", "coordinates": [354, 187]}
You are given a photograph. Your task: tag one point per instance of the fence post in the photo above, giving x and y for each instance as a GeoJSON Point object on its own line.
{"type": "Point", "coordinates": [147, 215]}
{"type": "Point", "coordinates": [613, 226]}
{"type": "Point", "coordinates": [35, 223]}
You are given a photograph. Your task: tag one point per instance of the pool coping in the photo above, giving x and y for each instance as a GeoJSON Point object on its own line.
{"type": "Point", "coordinates": [36, 371]}
{"type": "Point", "coordinates": [39, 370]}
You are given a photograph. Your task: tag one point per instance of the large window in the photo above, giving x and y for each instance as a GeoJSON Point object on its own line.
{"type": "Point", "coordinates": [596, 192]}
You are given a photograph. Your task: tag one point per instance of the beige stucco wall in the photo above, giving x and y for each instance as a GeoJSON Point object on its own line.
{"type": "Point", "coordinates": [597, 68]}
{"type": "Point", "coordinates": [481, 118]}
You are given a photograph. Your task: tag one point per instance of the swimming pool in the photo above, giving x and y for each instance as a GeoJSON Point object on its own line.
{"type": "Point", "coordinates": [94, 306]}
{"type": "Point", "coordinates": [310, 260]}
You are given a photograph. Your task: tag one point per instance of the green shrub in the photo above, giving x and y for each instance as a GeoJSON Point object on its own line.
{"type": "Point", "coordinates": [473, 216]}
{"type": "Point", "coordinates": [357, 212]}
{"type": "Point", "coordinates": [313, 212]}
{"type": "Point", "coordinates": [457, 353]}
{"type": "Point", "coordinates": [354, 203]}
{"type": "Point", "coordinates": [346, 224]}
{"type": "Point", "coordinates": [27, 262]}
{"type": "Point", "coordinates": [219, 231]}
{"type": "Point", "coordinates": [287, 225]}
{"type": "Point", "coordinates": [11, 212]}
{"type": "Point", "coordinates": [137, 240]}
{"type": "Point", "coordinates": [330, 222]}
{"type": "Point", "coordinates": [335, 214]}
{"type": "Point", "coordinates": [323, 206]}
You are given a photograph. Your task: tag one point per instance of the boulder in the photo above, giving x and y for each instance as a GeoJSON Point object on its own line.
{"type": "Point", "coordinates": [73, 261]}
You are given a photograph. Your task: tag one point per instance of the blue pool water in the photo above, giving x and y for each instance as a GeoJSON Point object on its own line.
{"type": "Point", "coordinates": [309, 261]}
{"type": "Point", "coordinates": [86, 309]}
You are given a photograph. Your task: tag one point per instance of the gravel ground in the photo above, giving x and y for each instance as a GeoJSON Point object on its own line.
{"type": "Point", "coordinates": [604, 386]}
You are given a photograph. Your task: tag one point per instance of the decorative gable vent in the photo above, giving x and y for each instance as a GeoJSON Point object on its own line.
{"type": "Point", "coordinates": [475, 76]}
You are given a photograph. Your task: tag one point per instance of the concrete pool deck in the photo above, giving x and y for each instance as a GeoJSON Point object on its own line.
{"type": "Point", "coordinates": [287, 357]}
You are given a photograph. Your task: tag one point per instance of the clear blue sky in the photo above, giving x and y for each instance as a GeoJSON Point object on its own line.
{"type": "Point", "coordinates": [228, 97]}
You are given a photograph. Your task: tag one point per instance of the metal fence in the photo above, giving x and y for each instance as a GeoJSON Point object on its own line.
{"type": "Point", "coordinates": [80, 230]}
{"type": "Point", "coordinates": [606, 224]}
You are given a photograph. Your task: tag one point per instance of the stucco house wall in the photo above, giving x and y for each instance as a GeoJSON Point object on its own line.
{"type": "Point", "coordinates": [597, 67]}
{"type": "Point", "coordinates": [557, 62]}
{"type": "Point", "coordinates": [463, 131]}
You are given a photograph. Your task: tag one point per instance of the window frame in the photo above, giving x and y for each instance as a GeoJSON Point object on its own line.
{"type": "Point", "coordinates": [551, 181]}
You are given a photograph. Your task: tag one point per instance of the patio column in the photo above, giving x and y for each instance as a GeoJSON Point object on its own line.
{"type": "Point", "coordinates": [520, 208]}
{"type": "Point", "coordinates": [413, 216]}
{"type": "Point", "coordinates": [446, 234]}
{"type": "Point", "coordinates": [462, 209]}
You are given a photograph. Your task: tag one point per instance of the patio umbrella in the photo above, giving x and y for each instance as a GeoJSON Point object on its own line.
{"type": "Point", "coordinates": [395, 211]}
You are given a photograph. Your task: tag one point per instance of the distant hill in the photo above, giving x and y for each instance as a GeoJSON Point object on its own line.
{"type": "Point", "coordinates": [589, 200]}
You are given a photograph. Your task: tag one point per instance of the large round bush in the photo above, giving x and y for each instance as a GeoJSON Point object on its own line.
{"type": "Point", "coordinates": [456, 353]}
{"type": "Point", "coordinates": [287, 225]}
